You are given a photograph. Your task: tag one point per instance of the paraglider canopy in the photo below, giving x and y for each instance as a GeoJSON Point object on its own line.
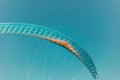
{"type": "Point", "coordinates": [52, 36]}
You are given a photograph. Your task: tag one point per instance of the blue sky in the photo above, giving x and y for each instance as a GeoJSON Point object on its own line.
{"type": "Point", "coordinates": [94, 25]}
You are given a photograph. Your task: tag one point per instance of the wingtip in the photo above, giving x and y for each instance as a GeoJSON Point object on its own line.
{"type": "Point", "coordinates": [96, 77]}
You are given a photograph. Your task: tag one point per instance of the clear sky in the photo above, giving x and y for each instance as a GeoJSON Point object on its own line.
{"type": "Point", "coordinates": [93, 24]}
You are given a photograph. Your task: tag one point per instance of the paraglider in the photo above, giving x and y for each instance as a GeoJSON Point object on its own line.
{"type": "Point", "coordinates": [53, 36]}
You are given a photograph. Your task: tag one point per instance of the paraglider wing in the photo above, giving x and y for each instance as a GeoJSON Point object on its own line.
{"type": "Point", "coordinates": [53, 36]}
